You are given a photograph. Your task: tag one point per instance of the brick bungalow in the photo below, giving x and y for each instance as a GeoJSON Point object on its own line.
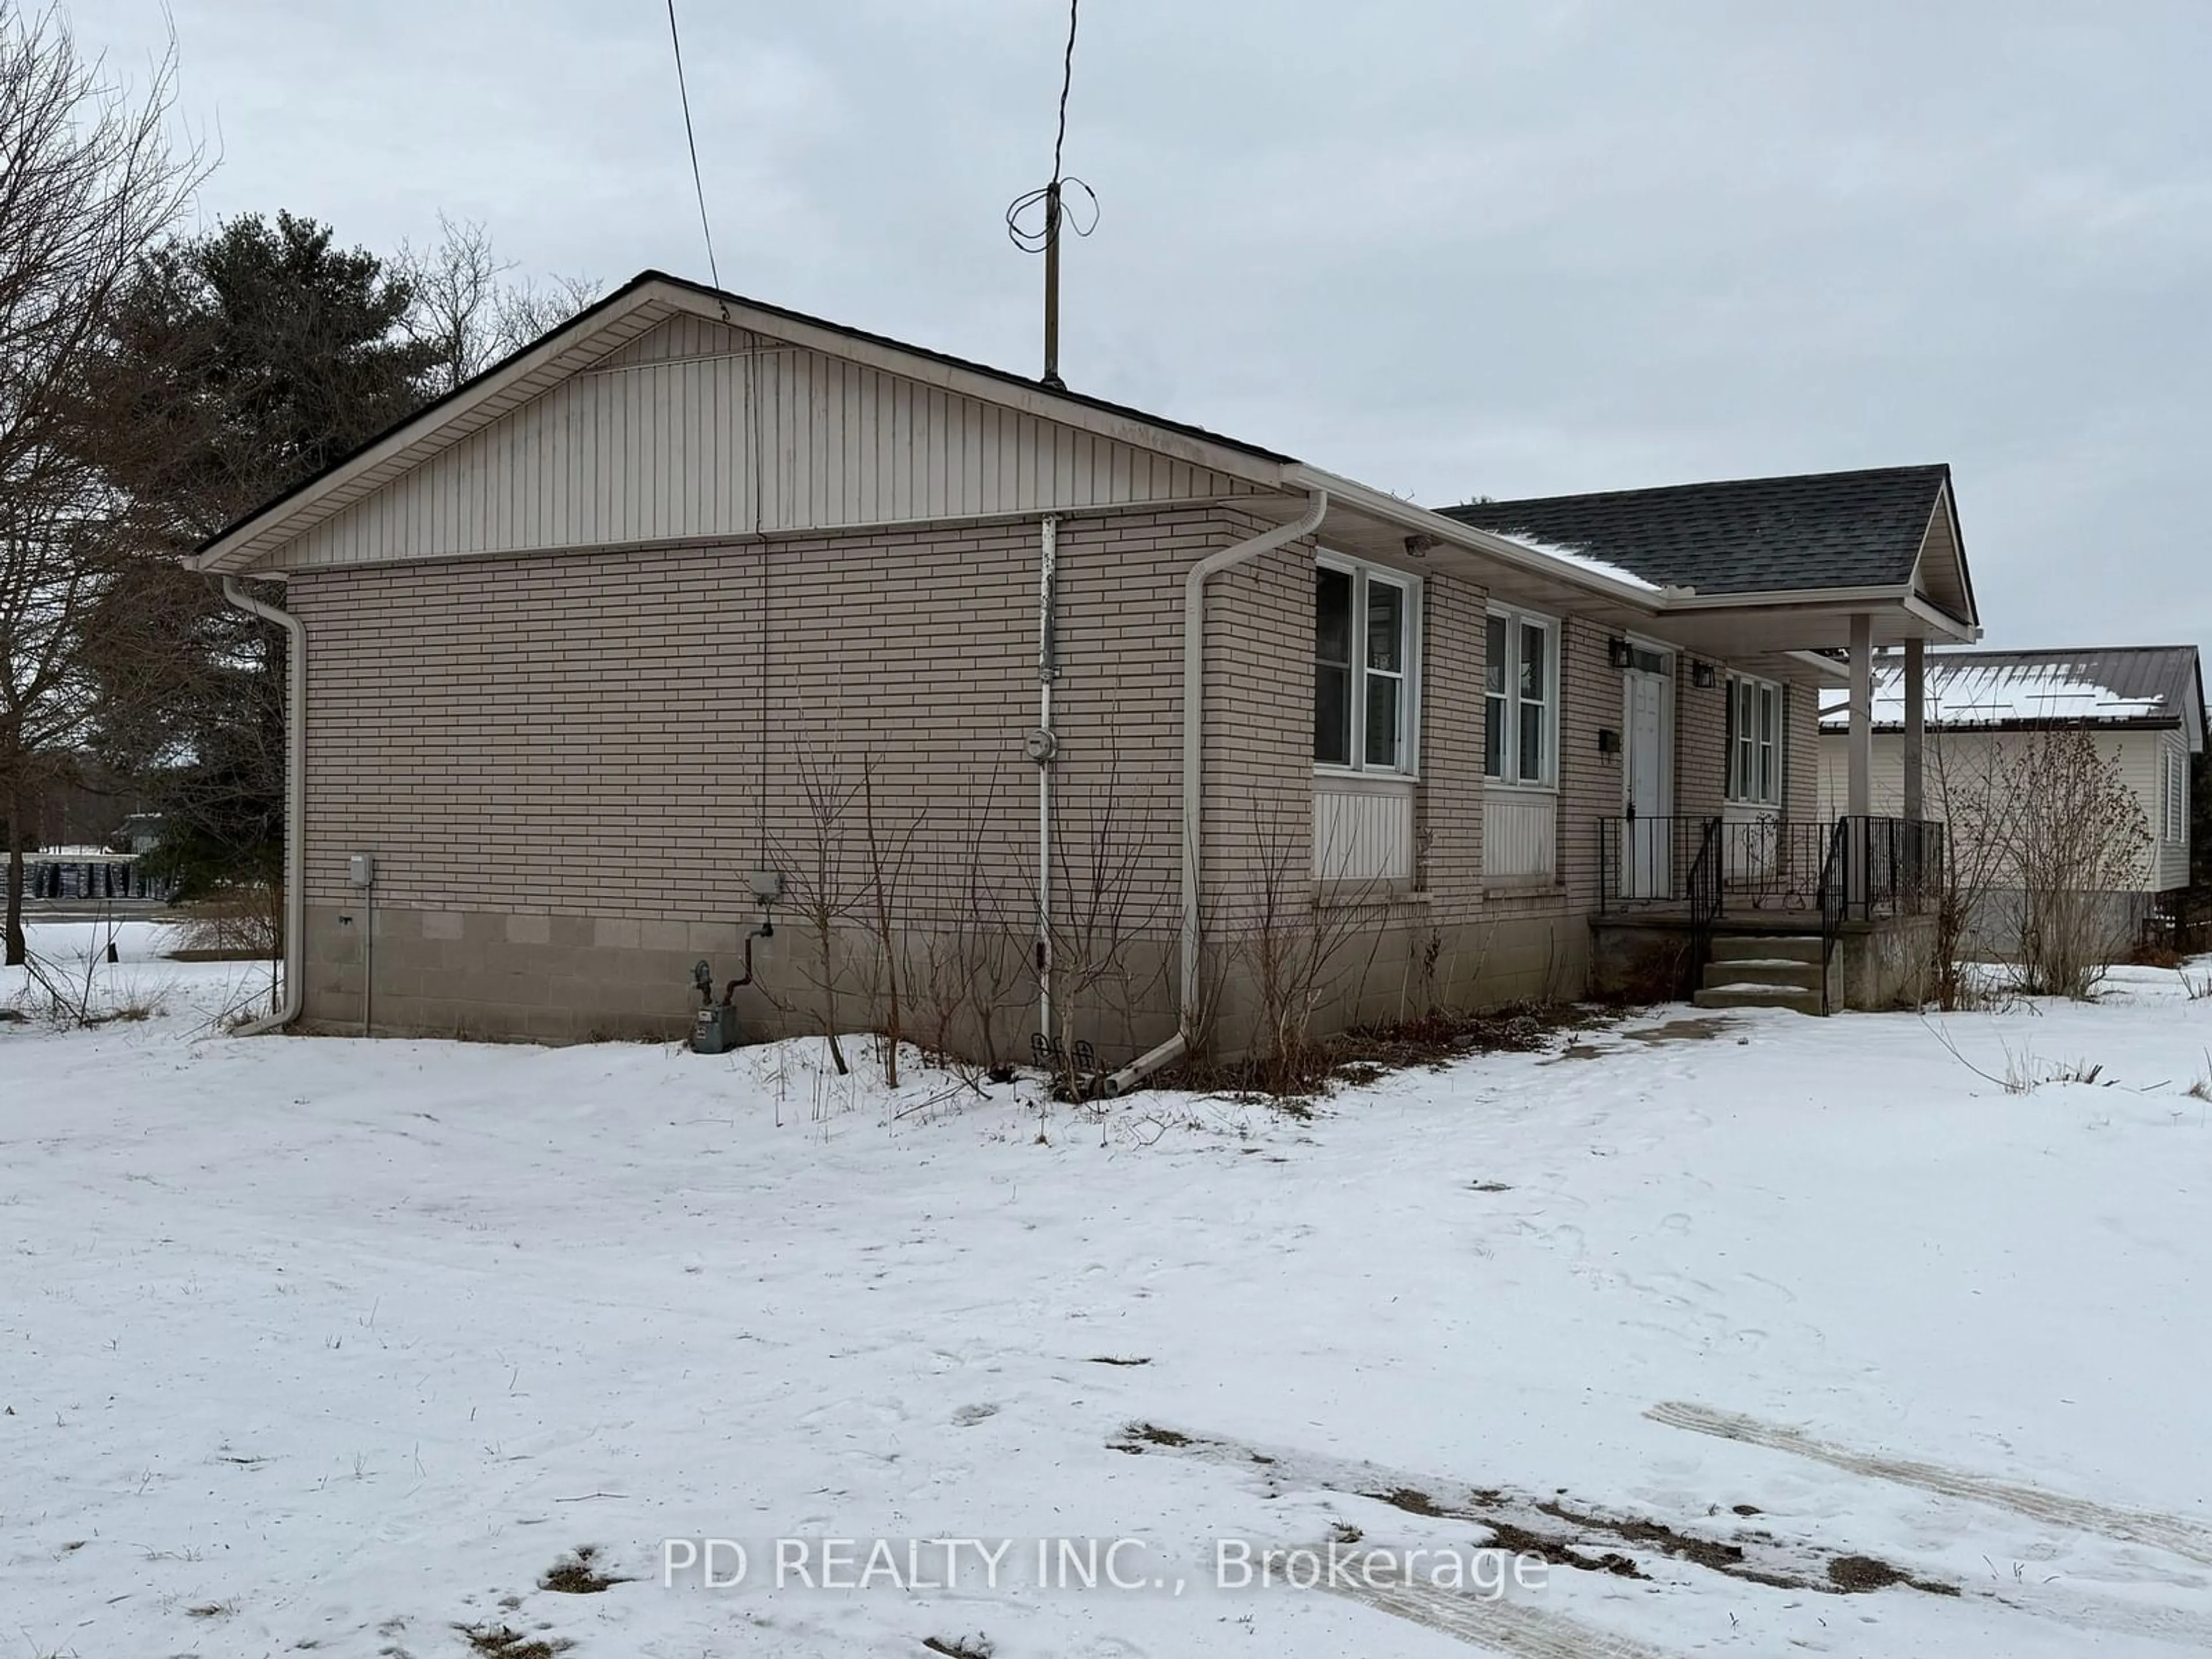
{"type": "Point", "coordinates": [578, 650]}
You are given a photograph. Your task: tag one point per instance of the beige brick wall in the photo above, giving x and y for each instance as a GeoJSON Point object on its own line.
{"type": "Point", "coordinates": [1448, 815]}
{"type": "Point", "coordinates": [1701, 746]}
{"type": "Point", "coordinates": [572, 746]}
{"type": "Point", "coordinates": [1700, 740]}
{"type": "Point", "coordinates": [559, 764]}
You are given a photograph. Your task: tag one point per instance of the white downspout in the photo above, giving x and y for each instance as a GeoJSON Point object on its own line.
{"type": "Point", "coordinates": [295, 804]}
{"type": "Point", "coordinates": [1043, 745]}
{"type": "Point", "coordinates": [1194, 767]}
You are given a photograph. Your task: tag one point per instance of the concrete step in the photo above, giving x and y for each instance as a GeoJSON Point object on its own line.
{"type": "Point", "coordinates": [1776, 970]}
{"type": "Point", "coordinates": [1766, 947]}
{"type": "Point", "coordinates": [1758, 996]}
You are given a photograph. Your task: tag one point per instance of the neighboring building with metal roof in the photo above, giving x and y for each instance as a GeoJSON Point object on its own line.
{"type": "Point", "coordinates": [2141, 685]}
{"type": "Point", "coordinates": [2145, 704]}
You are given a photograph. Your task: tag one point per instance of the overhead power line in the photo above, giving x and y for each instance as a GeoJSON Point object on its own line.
{"type": "Point", "coordinates": [1033, 234]}
{"type": "Point", "coordinates": [691, 141]}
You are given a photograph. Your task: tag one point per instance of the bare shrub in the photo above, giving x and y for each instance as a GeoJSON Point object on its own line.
{"type": "Point", "coordinates": [1967, 793]}
{"type": "Point", "coordinates": [889, 849]}
{"type": "Point", "coordinates": [2078, 838]}
{"type": "Point", "coordinates": [820, 886]}
{"type": "Point", "coordinates": [84, 989]}
{"type": "Point", "coordinates": [1293, 946]}
{"type": "Point", "coordinates": [973, 968]}
{"type": "Point", "coordinates": [2046, 817]}
{"type": "Point", "coordinates": [238, 920]}
{"type": "Point", "coordinates": [1199, 1015]}
{"type": "Point", "coordinates": [1102, 910]}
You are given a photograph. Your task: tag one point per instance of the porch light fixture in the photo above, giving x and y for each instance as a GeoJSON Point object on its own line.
{"type": "Point", "coordinates": [1616, 652]}
{"type": "Point", "coordinates": [1701, 675]}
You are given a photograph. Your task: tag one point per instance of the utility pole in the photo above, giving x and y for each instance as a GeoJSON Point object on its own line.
{"type": "Point", "coordinates": [1052, 286]}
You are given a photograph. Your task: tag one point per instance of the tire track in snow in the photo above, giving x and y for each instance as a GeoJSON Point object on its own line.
{"type": "Point", "coordinates": [1502, 1626]}
{"type": "Point", "coordinates": [2148, 1527]}
{"type": "Point", "coordinates": [1591, 1540]}
{"type": "Point", "coordinates": [2108, 1616]}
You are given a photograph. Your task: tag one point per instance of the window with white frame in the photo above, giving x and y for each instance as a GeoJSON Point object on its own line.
{"type": "Point", "coordinates": [2176, 804]}
{"type": "Point", "coordinates": [1520, 683]}
{"type": "Point", "coordinates": [1755, 741]}
{"type": "Point", "coordinates": [1365, 710]}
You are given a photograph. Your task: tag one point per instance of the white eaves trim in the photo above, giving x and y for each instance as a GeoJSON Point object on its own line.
{"type": "Point", "coordinates": [653, 298]}
{"type": "Point", "coordinates": [1830, 599]}
{"type": "Point", "coordinates": [1381, 504]}
{"type": "Point", "coordinates": [1829, 667]}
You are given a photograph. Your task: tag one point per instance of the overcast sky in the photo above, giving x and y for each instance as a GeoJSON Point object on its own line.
{"type": "Point", "coordinates": [1449, 249]}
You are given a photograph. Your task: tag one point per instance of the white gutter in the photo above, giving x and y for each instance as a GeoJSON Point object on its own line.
{"type": "Point", "coordinates": [1194, 767]}
{"type": "Point", "coordinates": [295, 804]}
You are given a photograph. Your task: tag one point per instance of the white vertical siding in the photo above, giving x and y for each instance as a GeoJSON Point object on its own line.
{"type": "Point", "coordinates": [696, 430]}
{"type": "Point", "coordinates": [1363, 831]}
{"type": "Point", "coordinates": [2172, 855]}
{"type": "Point", "coordinates": [1520, 835]}
{"type": "Point", "coordinates": [1969, 756]}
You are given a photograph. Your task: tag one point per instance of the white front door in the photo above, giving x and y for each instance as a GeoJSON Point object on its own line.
{"type": "Point", "coordinates": [1646, 783]}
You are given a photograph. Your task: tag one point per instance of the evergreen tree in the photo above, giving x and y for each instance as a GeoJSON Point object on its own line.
{"type": "Point", "coordinates": [239, 364]}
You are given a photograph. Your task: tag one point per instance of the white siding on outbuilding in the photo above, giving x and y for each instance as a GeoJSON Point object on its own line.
{"type": "Point", "coordinates": [654, 444]}
{"type": "Point", "coordinates": [2141, 755]}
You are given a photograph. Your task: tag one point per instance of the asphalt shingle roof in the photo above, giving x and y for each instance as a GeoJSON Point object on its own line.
{"type": "Point", "coordinates": [1743, 536]}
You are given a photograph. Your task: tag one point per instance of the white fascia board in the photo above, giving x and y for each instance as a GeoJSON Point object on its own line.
{"type": "Point", "coordinates": [1939, 620]}
{"type": "Point", "coordinates": [1830, 666]}
{"type": "Point", "coordinates": [1965, 633]}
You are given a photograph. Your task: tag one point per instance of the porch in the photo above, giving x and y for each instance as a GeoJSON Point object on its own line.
{"type": "Point", "coordinates": [1767, 911]}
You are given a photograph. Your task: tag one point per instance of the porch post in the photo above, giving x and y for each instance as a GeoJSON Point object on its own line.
{"type": "Point", "coordinates": [1915, 662]}
{"type": "Point", "coordinates": [1860, 795]}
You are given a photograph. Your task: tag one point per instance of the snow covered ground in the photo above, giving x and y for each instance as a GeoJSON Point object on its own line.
{"type": "Point", "coordinates": [317, 1344]}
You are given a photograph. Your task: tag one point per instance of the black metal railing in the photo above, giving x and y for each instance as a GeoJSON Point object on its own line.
{"type": "Point", "coordinates": [1708, 891]}
{"type": "Point", "coordinates": [1831, 902]}
{"type": "Point", "coordinates": [1645, 860]}
{"type": "Point", "coordinates": [1879, 866]}
{"type": "Point", "coordinates": [1869, 867]}
{"type": "Point", "coordinates": [1758, 864]}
